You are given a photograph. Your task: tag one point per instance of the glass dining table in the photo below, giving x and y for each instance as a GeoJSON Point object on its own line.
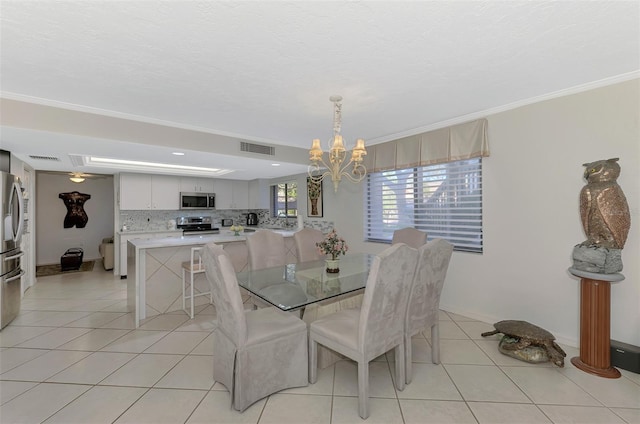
{"type": "Point", "coordinates": [294, 286]}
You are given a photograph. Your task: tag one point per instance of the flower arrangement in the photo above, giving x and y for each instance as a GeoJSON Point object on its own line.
{"type": "Point", "coordinates": [333, 245]}
{"type": "Point", "coordinates": [236, 229]}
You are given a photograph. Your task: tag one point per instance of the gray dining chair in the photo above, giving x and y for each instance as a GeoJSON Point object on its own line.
{"type": "Point", "coordinates": [255, 353]}
{"type": "Point", "coordinates": [306, 250]}
{"type": "Point", "coordinates": [409, 236]}
{"type": "Point", "coordinates": [376, 327]}
{"type": "Point", "coordinates": [266, 250]}
{"type": "Point", "coordinates": [424, 298]}
{"type": "Point", "coordinates": [305, 241]}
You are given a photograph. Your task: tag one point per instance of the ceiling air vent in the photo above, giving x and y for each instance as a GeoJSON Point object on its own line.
{"type": "Point", "coordinates": [76, 160]}
{"type": "Point", "coordinates": [257, 148]}
{"type": "Point", "coordinates": [36, 157]}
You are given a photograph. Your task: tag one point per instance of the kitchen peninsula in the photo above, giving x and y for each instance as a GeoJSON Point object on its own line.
{"type": "Point", "coordinates": [154, 268]}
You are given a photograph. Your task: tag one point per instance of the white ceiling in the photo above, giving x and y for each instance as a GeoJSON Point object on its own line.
{"type": "Point", "coordinates": [264, 71]}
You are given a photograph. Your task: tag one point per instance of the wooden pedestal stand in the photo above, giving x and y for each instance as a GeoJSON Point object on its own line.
{"type": "Point", "coordinates": [595, 318]}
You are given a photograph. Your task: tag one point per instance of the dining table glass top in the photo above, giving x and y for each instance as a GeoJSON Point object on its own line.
{"type": "Point", "coordinates": [294, 286]}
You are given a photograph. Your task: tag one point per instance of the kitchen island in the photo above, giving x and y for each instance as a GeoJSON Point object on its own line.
{"type": "Point", "coordinates": [154, 268]}
{"type": "Point", "coordinates": [120, 245]}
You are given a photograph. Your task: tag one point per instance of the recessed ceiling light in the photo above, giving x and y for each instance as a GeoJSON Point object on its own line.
{"type": "Point", "coordinates": [178, 153]}
{"type": "Point", "coordinates": [275, 164]}
{"type": "Point", "coordinates": [151, 166]}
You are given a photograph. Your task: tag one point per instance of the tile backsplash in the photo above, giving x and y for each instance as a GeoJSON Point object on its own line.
{"type": "Point", "coordinates": [150, 220]}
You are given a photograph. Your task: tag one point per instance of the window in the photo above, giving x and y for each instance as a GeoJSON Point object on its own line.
{"type": "Point", "coordinates": [284, 200]}
{"type": "Point", "coordinates": [444, 200]}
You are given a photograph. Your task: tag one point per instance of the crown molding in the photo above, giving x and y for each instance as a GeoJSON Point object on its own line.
{"type": "Point", "coordinates": [510, 106]}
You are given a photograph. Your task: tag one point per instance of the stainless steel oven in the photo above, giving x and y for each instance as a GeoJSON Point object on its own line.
{"type": "Point", "coordinates": [196, 225]}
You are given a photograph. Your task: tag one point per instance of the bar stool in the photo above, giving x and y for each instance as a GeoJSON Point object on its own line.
{"type": "Point", "coordinates": [193, 267]}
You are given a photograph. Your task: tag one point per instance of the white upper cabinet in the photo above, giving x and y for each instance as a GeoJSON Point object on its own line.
{"type": "Point", "coordinates": [240, 194]}
{"type": "Point", "coordinates": [162, 192]}
{"type": "Point", "coordinates": [197, 185]}
{"type": "Point", "coordinates": [165, 192]}
{"type": "Point", "coordinates": [231, 194]}
{"type": "Point", "coordinates": [135, 191]}
{"type": "Point", "coordinates": [224, 194]}
{"type": "Point", "coordinates": [259, 194]}
{"type": "Point", "coordinates": [144, 191]}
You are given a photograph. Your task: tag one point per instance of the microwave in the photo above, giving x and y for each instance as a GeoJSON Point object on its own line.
{"type": "Point", "coordinates": [197, 200]}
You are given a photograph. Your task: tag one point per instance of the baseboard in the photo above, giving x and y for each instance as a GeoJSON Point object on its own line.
{"type": "Point", "coordinates": [490, 319]}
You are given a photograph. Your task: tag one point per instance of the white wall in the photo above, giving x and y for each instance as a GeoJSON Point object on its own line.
{"type": "Point", "coordinates": [52, 239]}
{"type": "Point", "coordinates": [531, 221]}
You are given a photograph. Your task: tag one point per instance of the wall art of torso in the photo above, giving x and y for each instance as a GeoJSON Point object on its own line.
{"type": "Point", "coordinates": [76, 216]}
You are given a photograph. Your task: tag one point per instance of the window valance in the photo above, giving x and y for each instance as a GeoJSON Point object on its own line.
{"type": "Point", "coordinates": [462, 141]}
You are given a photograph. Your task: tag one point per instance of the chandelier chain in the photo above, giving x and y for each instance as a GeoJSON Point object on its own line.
{"type": "Point", "coordinates": [337, 117]}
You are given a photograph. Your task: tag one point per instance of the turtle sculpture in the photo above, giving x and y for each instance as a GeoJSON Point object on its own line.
{"type": "Point", "coordinates": [525, 341]}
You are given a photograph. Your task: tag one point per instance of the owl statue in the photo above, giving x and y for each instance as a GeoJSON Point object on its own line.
{"type": "Point", "coordinates": [603, 207]}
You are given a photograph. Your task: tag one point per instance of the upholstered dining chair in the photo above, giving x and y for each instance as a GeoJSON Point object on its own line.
{"type": "Point", "coordinates": [306, 250]}
{"type": "Point", "coordinates": [305, 240]}
{"type": "Point", "coordinates": [424, 298]}
{"type": "Point", "coordinates": [256, 352]}
{"type": "Point", "coordinates": [409, 236]}
{"type": "Point", "coordinates": [266, 250]}
{"type": "Point", "coordinates": [376, 327]}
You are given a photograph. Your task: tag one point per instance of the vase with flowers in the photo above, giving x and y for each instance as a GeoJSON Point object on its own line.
{"type": "Point", "coordinates": [236, 229]}
{"type": "Point", "coordinates": [335, 246]}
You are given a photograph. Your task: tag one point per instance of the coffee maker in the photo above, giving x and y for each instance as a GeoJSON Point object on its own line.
{"type": "Point", "coordinates": [252, 218]}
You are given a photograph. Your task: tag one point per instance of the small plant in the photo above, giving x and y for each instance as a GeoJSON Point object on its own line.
{"type": "Point", "coordinates": [333, 245]}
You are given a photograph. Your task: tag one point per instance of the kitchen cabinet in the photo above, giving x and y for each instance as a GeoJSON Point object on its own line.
{"type": "Point", "coordinates": [240, 194]}
{"type": "Point", "coordinates": [135, 191]}
{"type": "Point", "coordinates": [232, 194]}
{"type": "Point", "coordinates": [259, 194]}
{"type": "Point", "coordinates": [165, 192]}
{"type": "Point", "coordinates": [224, 194]}
{"type": "Point", "coordinates": [144, 192]}
{"type": "Point", "coordinates": [197, 185]}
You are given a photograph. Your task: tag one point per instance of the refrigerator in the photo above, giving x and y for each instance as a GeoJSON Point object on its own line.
{"type": "Point", "coordinates": [11, 227]}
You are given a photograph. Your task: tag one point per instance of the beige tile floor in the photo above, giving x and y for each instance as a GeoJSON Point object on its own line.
{"type": "Point", "coordinates": [73, 356]}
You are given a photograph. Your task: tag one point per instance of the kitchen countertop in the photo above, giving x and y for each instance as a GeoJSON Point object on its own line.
{"type": "Point", "coordinates": [225, 236]}
{"type": "Point", "coordinates": [223, 231]}
{"type": "Point", "coordinates": [136, 232]}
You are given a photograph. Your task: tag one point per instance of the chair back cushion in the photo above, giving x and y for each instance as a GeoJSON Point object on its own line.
{"type": "Point", "coordinates": [226, 294]}
{"type": "Point", "coordinates": [266, 250]}
{"type": "Point", "coordinates": [424, 297]}
{"type": "Point", "coordinates": [385, 298]}
{"type": "Point", "coordinates": [409, 236]}
{"type": "Point", "coordinates": [306, 248]}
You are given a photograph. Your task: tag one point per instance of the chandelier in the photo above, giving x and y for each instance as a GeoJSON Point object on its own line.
{"type": "Point", "coordinates": [336, 168]}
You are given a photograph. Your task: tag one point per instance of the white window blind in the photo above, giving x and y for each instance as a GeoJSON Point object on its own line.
{"type": "Point", "coordinates": [444, 200]}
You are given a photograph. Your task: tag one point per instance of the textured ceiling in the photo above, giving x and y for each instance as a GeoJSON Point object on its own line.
{"type": "Point", "coordinates": [264, 71]}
